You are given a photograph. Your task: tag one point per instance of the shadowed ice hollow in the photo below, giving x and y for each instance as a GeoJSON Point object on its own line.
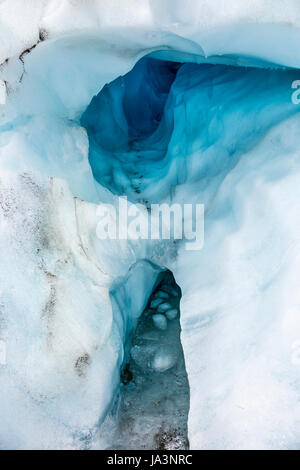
{"type": "Point", "coordinates": [162, 102]}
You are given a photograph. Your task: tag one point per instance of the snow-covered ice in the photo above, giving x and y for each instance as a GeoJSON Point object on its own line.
{"type": "Point", "coordinates": [2, 92]}
{"type": "Point", "coordinates": [220, 129]}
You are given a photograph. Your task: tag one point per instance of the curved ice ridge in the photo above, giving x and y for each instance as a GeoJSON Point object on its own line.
{"type": "Point", "coordinates": [253, 29]}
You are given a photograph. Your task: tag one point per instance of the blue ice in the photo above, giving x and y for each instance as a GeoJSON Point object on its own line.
{"type": "Point", "coordinates": [166, 123]}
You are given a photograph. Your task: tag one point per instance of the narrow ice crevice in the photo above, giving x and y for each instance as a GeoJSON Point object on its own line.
{"type": "Point", "coordinates": [152, 404]}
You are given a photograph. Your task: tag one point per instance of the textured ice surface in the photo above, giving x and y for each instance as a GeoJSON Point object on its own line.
{"type": "Point", "coordinates": [2, 92]}
{"type": "Point", "coordinates": [56, 318]}
{"type": "Point", "coordinates": [212, 115]}
{"type": "Point", "coordinates": [152, 408]}
{"type": "Point", "coordinates": [172, 313]}
{"type": "Point", "coordinates": [255, 28]}
{"type": "Point", "coordinates": [160, 321]}
{"type": "Point", "coordinates": [233, 143]}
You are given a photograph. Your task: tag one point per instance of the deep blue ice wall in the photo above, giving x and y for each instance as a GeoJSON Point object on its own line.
{"type": "Point", "coordinates": [146, 90]}
{"type": "Point", "coordinates": [166, 123]}
{"type": "Point", "coordinates": [130, 108]}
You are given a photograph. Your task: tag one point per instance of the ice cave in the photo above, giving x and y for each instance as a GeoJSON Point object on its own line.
{"type": "Point", "coordinates": [136, 342]}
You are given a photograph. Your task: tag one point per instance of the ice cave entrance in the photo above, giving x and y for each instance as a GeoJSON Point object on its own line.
{"type": "Point", "coordinates": [165, 123]}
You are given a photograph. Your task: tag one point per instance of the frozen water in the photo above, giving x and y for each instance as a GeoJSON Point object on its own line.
{"type": "Point", "coordinates": [214, 132]}
{"type": "Point", "coordinates": [160, 321]}
{"type": "Point", "coordinates": [151, 412]}
{"type": "Point", "coordinates": [162, 295]}
{"type": "Point", "coordinates": [163, 307]}
{"type": "Point", "coordinates": [171, 314]}
{"type": "Point", "coordinates": [164, 360]}
{"type": "Point", "coordinates": [2, 92]}
{"type": "Point", "coordinates": [209, 103]}
{"type": "Point", "coordinates": [171, 291]}
{"type": "Point", "coordinates": [156, 302]}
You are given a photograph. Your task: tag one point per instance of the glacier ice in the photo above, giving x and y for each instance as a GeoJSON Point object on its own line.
{"type": "Point", "coordinates": [208, 110]}
{"type": "Point", "coordinates": [172, 313]}
{"type": "Point", "coordinates": [160, 321]}
{"type": "Point", "coordinates": [161, 294]}
{"type": "Point", "coordinates": [2, 92]}
{"type": "Point", "coordinates": [154, 395]}
{"type": "Point", "coordinates": [164, 307]}
{"type": "Point", "coordinates": [221, 130]}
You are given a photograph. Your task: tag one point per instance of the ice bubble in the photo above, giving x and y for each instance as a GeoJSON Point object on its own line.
{"type": "Point", "coordinates": [160, 321]}
{"type": "Point", "coordinates": [163, 307]}
{"type": "Point", "coordinates": [164, 360]}
{"type": "Point", "coordinates": [155, 303]}
{"type": "Point", "coordinates": [171, 314]}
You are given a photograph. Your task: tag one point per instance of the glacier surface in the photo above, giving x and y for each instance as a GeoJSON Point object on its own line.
{"type": "Point", "coordinates": [220, 129]}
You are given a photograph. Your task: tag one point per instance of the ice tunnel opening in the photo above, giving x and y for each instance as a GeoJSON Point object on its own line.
{"type": "Point", "coordinates": [166, 123]}
{"type": "Point", "coordinates": [151, 80]}
{"type": "Point", "coordinates": [152, 404]}
{"type": "Point", "coordinates": [129, 109]}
